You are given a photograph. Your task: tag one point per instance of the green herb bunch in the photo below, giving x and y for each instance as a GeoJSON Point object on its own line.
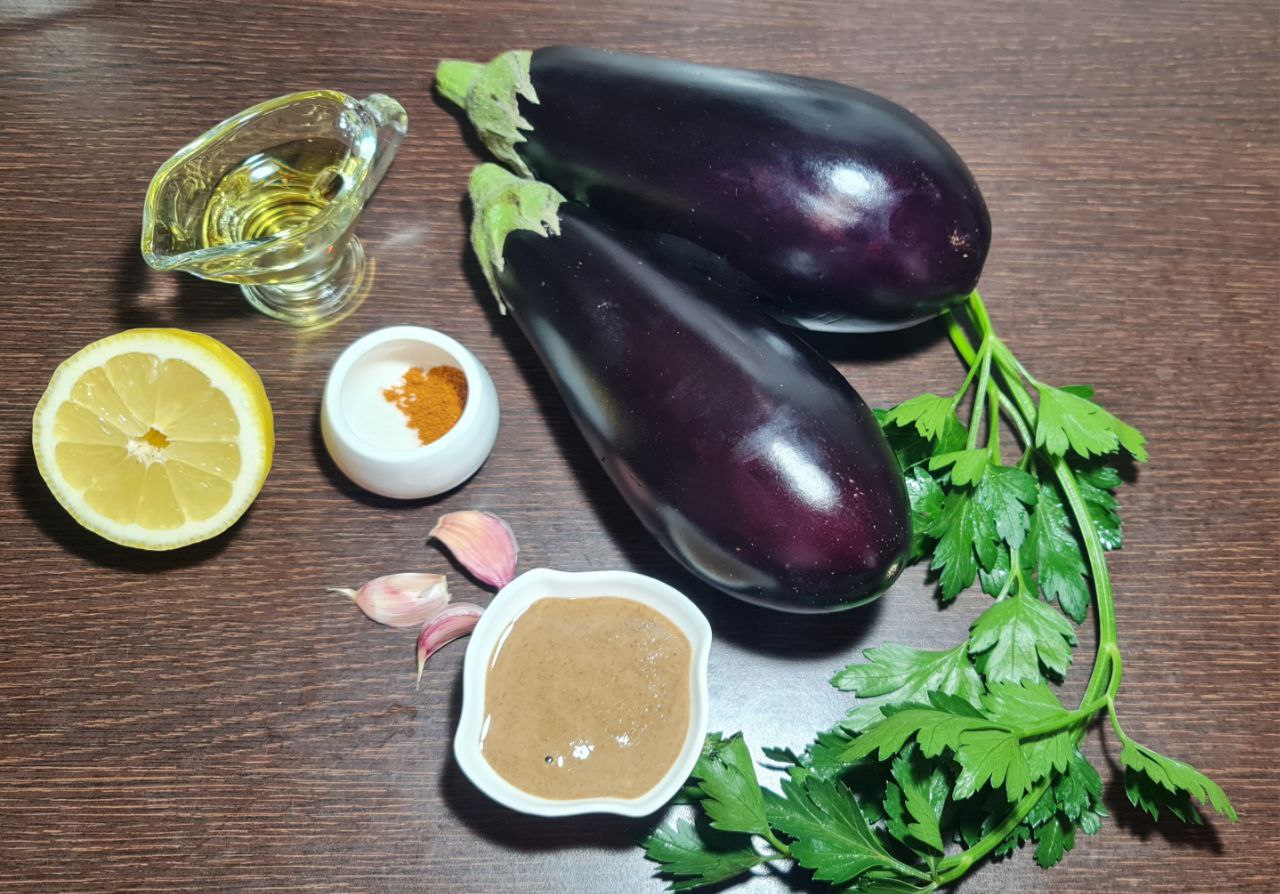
{"type": "Point", "coordinates": [952, 757]}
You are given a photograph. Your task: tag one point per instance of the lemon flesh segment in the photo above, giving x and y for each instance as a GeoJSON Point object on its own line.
{"type": "Point", "coordinates": [154, 438]}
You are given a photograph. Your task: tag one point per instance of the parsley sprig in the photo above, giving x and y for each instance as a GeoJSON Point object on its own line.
{"type": "Point", "coordinates": [956, 756]}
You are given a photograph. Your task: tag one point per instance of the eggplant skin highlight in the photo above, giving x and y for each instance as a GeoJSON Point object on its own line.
{"type": "Point", "coordinates": [850, 212]}
{"type": "Point", "coordinates": [748, 456]}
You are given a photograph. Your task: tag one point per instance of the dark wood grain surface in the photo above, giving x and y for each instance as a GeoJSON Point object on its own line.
{"type": "Point", "coordinates": [212, 720]}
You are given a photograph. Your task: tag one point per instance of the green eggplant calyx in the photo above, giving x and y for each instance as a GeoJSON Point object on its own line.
{"type": "Point", "coordinates": [489, 94]}
{"type": "Point", "coordinates": [502, 202]}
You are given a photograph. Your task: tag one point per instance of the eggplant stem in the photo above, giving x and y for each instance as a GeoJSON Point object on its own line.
{"type": "Point", "coordinates": [490, 95]}
{"type": "Point", "coordinates": [454, 78]}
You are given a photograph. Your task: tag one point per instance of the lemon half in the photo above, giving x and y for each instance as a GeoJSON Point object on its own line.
{"type": "Point", "coordinates": [154, 438]}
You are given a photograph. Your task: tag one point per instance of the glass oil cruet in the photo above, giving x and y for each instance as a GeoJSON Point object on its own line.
{"type": "Point", "coordinates": [269, 199]}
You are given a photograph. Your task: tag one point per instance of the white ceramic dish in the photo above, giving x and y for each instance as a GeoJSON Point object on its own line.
{"type": "Point", "coordinates": [367, 436]}
{"type": "Point", "coordinates": [513, 599]}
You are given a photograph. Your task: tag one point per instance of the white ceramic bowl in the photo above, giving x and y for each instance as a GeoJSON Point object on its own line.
{"type": "Point", "coordinates": [367, 436]}
{"type": "Point", "coordinates": [513, 599]}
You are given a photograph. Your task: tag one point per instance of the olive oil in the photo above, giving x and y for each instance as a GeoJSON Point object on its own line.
{"type": "Point", "coordinates": [268, 200]}
{"type": "Point", "coordinates": [275, 191]}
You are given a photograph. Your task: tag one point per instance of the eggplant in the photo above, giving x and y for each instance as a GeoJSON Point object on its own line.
{"type": "Point", "coordinates": [748, 456]}
{"type": "Point", "coordinates": [850, 212]}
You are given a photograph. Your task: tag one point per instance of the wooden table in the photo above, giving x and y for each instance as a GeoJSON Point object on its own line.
{"type": "Point", "coordinates": [213, 720]}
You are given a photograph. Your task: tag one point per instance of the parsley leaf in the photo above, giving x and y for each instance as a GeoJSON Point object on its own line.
{"type": "Point", "coordinates": [935, 726]}
{"type": "Point", "coordinates": [897, 674]}
{"type": "Point", "coordinates": [1032, 705]}
{"type": "Point", "coordinates": [1005, 493]}
{"type": "Point", "coordinates": [973, 521]}
{"type": "Point", "coordinates": [1079, 789]}
{"type": "Point", "coordinates": [1097, 483]}
{"type": "Point", "coordinates": [991, 757]}
{"type": "Point", "coordinates": [1152, 798]}
{"type": "Point", "coordinates": [1020, 835]}
{"type": "Point", "coordinates": [825, 756]}
{"type": "Point", "coordinates": [993, 579]}
{"type": "Point", "coordinates": [987, 747]}
{"type": "Point", "coordinates": [926, 498]}
{"type": "Point", "coordinates": [830, 834]}
{"type": "Point", "coordinates": [1023, 832]}
{"type": "Point", "coordinates": [895, 812]}
{"type": "Point", "coordinates": [1042, 810]}
{"type": "Point", "coordinates": [780, 755]}
{"type": "Point", "coordinates": [1053, 840]}
{"type": "Point", "coordinates": [1153, 781]}
{"type": "Point", "coordinates": [1018, 635]}
{"type": "Point", "coordinates": [696, 858]}
{"type": "Point", "coordinates": [913, 449]}
{"type": "Point", "coordinates": [691, 791]}
{"type": "Point", "coordinates": [967, 466]}
{"type": "Point", "coordinates": [1060, 568]}
{"type": "Point", "coordinates": [930, 414]}
{"type": "Point", "coordinates": [1091, 820]}
{"type": "Point", "coordinates": [923, 788]}
{"type": "Point", "coordinates": [907, 444]}
{"type": "Point", "coordinates": [966, 534]}
{"type": "Point", "coordinates": [1068, 420]}
{"type": "Point", "coordinates": [731, 794]}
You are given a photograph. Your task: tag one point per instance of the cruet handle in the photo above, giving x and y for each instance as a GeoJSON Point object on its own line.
{"type": "Point", "coordinates": [391, 121]}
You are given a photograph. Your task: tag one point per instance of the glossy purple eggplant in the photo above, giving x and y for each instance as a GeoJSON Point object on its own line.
{"type": "Point", "coordinates": [849, 211]}
{"type": "Point", "coordinates": [746, 454]}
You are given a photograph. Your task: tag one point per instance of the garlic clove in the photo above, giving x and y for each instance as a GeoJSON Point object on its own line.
{"type": "Point", "coordinates": [453, 622]}
{"type": "Point", "coordinates": [482, 543]}
{"type": "Point", "coordinates": [401, 600]}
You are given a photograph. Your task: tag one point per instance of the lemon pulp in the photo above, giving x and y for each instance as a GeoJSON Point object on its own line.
{"type": "Point", "coordinates": [154, 438]}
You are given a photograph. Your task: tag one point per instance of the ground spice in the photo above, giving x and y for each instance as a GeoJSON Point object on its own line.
{"type": "Point", "coordinates": [431, 401]}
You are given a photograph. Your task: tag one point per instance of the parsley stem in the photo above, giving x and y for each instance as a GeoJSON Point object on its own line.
{"type": "Point", "coordinates": [984, 379]}
{"type": "Point", "coordinates": [781, 848]}
{"type": "Point", "coordinates": [1093, 546]}
{"type": "Point", "coordinates": [964, 347]}
{"type": "Point", "coordinates": [1084, 712]}
{"type": "Point", "coordinates": [978, 313]}
{"type": "Point", "coordinates": [1115, 722]}
{"type": "Point", "coordinates": [1013, 383]}
{"type": "Point", "coordinates": [955, 866]}
{"type": "Point", "coordinates": [1017, 365]}
{"type": "Point", "coordinates": [1010, 578]}
{"type": "Point", "coordinates": [1106, 668]}
{"type": "Point", "coordinates": [960, 339]}
{"type": "Point", "coordinates": [1011, 413]}
{"type": "Point", "coordinates": [973, 367]}
{"type": "Point", "coordinates": [993, 423]}
{"type": "Point", "coordinates": [1104, 680]}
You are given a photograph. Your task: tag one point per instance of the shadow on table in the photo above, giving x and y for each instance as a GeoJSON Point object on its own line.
{"type": "Point", "coordinates": [192, 303]}
{"type": "Point", "coordinates": [871, 347]}
{"type": "Point", "coordinates": [466, 132]}
{"type": "Point", "coordinates": [48, 516]}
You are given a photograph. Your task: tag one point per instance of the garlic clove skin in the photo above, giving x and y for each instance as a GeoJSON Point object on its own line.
{"type": "Point", "coordinates": [401, 600]}
{"type": "Point", "coordinates": [456, 621]}
{"type": "Point", "coordinates": [482, 543]}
